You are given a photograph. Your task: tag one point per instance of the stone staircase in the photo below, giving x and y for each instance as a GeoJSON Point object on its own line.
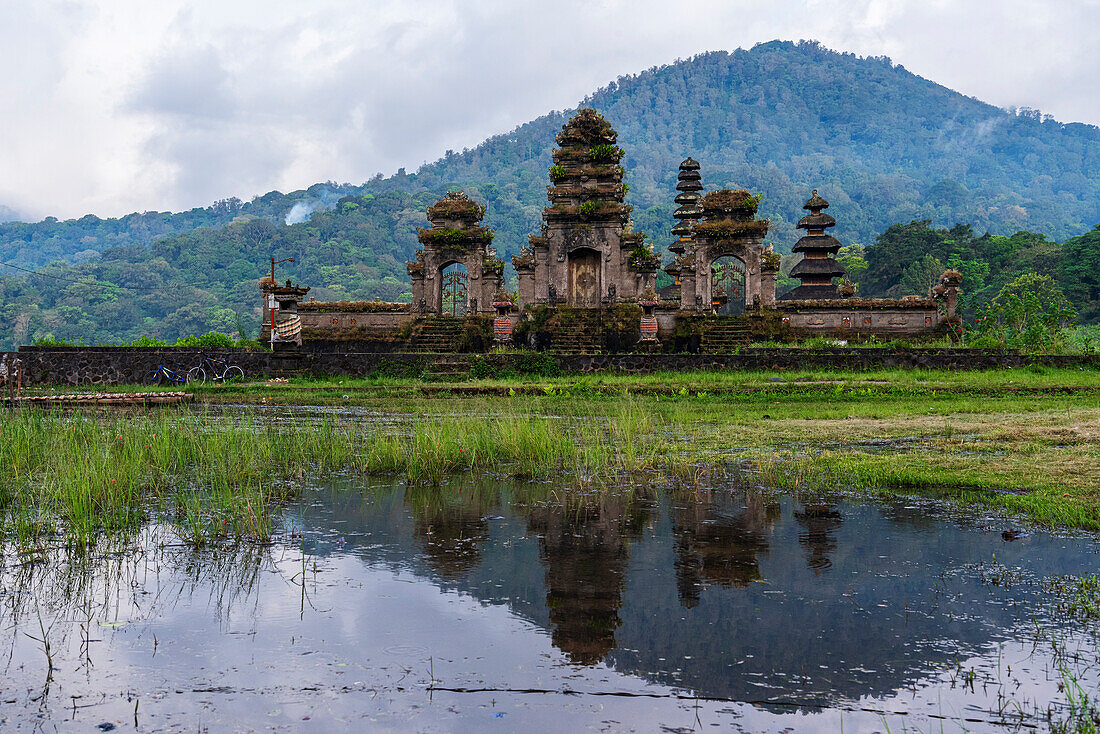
{"type": "Point", "coordinates": [437, 334]}
{"type": "Point", "coordinates": [449, 367]}
{"type": "Point", "coordinates": [583, 335]}
{"type": "Point", "coordinates": [723, 334]}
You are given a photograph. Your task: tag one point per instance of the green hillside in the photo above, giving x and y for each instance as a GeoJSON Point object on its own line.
{"type": "Point", "coordinates": [883, 145]}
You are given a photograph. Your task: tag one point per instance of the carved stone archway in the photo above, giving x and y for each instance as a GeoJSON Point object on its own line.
{"type": "Point", "coordinates": [728, 229]}
{"type": "Point", "coordinates": [456, 237]}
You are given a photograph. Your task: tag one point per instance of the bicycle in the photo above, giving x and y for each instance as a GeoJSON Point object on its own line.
{"type": "Point", "coordinates": [220, 371]}
{"type": "Point", "coordinates": [166, 376]}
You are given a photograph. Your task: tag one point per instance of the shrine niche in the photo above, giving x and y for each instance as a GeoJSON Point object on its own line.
{"type": "Point", "coordinates": [457, 272]}
{"type": "Point", "coordinates": [587, 254]}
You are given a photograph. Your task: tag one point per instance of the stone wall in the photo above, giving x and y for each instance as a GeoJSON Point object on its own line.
{"type": "Point", "coordinates": [130, 365]}
{"type": "Point", "coordinates": [124, 365]}
{"type": "Point", "coordinates": [340, 324]}
{"type": "Point", "coordinates": [861, 318]}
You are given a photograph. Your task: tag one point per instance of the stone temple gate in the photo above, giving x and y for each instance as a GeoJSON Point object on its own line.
{"type": "Point", "coordinates": [726, 227]}
{"type": "Point", "coordinates": [587, 253]}
{"type": "Point", "coordinates": [456, 237]}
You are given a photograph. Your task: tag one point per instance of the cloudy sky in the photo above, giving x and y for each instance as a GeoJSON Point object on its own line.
{"type": "Point", "coordinates": [131, 105]}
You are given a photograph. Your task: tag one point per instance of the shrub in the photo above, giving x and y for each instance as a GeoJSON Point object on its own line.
{"type": "Point", "coordinates": [50, 341]}
{"type": "Point", "coordinates": [605, 153]}
{"type": "Point", "coordinates": [212, 339]}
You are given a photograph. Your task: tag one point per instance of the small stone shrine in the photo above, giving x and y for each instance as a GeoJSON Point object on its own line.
{"type": "Point", "coordinates": [281, 302]}
{"type": "Point", "coordinates": [587, 254]}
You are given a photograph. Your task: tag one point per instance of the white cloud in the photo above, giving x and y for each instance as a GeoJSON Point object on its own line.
{"type": "Point", "coordinates": [118, 106]}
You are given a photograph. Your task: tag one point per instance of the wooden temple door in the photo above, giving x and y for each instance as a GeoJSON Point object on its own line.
{"type": "Point", "coordinates": [584, 278]}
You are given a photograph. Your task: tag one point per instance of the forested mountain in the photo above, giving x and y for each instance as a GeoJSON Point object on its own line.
{"type": "Point", "coordinates": [881, 144]}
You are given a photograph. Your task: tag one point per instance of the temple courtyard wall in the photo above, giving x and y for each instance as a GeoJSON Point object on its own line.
{"type": "Point", "coordinates": [134, 365]}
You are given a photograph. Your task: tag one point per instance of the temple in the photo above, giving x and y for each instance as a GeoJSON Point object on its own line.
{"type": "Point", "coordinates": [587, 253]}
{"type": "Point", "coordinates": [587, 281]}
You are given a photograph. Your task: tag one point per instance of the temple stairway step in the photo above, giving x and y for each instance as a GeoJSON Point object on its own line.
{"type": "Point", "coordinates": [437, 334]}
{"type": "Point", "coordinates": [725, 333]}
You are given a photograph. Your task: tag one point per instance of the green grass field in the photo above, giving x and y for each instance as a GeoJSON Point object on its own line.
{"type": "Point", "coordinates": [1024, 440]}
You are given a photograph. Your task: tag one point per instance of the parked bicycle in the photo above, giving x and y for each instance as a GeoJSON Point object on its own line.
{"type": "Point", "coordinates": [166, 376]}
{"type": "Point", "coordinates": [219, 370]}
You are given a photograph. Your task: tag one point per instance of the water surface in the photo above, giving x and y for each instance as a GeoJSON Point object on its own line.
{"type": "Point", "coordinates": [501, 606]}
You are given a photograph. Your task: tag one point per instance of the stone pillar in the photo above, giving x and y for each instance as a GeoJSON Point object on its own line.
{"type": "Point", "coordinates": [769, 273]}
{"type": "Point", "coordinates": [767, 288]}
{"type": "Point", "coordinates": [687, 289]}
{"type": "Point", "coordinates": [752, 278]}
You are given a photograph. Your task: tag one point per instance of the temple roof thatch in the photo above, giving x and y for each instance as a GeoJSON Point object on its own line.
{"type": "Point", "coordinates": [811, 293]}
{"type": "Point", "coordinates": [816, 243]}
{"type": "Point", "coordinates": [689, 164]}
{"type": "Point", "coordinates": [817, 220]}
{"type": "Point", "coordinates": [818, 267]}
{"type": "Point", "coordinates": [815, 203]}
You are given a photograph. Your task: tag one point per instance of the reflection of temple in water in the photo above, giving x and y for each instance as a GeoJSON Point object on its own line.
{"type": "Point", "coordinates": [718, 541]}
{"type": "Point", "coordinates": [818, 537]}
{"type": "Point", "coordinates": [585, 552]}
{"type": "Point", "coordinates": [450, 529]}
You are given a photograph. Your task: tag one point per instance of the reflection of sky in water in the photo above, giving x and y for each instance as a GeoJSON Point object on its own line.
{"type": "Point", "coordinates": [813, 611]}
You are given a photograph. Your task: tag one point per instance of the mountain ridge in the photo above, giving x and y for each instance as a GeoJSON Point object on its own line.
{"type": "Point", "coordinates": [883, 145]}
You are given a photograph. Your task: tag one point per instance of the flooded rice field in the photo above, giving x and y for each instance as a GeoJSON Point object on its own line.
{"type": "Point", "coordinates": [486, 606]}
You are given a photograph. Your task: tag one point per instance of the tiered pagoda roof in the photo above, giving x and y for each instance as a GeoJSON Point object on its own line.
{"type": "Point", "coordinates": [689, 183]}
{"type": "Point", "coordinates": [818, 266]}
{"type": "Point", "coordinates": [586, 176]}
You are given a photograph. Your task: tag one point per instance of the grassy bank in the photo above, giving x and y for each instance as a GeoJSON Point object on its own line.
{"type": "Point", "coordinates": [1027, 441]}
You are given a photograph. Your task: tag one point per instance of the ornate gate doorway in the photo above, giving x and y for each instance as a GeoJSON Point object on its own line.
{"type": "Point", "coordinates": [727, 286]}
{"type": "Point", "coordinates": [454, 290]}
{"type": "Point", "coordinates": [584, 278]}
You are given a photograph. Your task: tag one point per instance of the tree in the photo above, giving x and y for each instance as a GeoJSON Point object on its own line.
{"type": "Point", "coordinates": [974, 273]}
{"type": "Point", "coordinates": [1079, 273]}
{"type": "Point", "coordinates": [852, 258]}
{"type": "Point", "coordinates": [920, 277]}
{"type": "Point", "coordinates": [1031, 311]}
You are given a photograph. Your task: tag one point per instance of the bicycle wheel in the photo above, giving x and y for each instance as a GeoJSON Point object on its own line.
{"type": "Point", "coordinates": [232, 372]}
{"type": "Point", "coordinates": [196, 374]}
{"type": "Point", "coordinates": [158, 378]}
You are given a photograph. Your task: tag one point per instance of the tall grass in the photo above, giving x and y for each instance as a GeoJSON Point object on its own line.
{"type": "Point", "coordinates": [223, 476]}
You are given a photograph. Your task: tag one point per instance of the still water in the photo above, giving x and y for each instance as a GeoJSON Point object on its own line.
{"type": "Point", "coordinates": [502, 606]}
